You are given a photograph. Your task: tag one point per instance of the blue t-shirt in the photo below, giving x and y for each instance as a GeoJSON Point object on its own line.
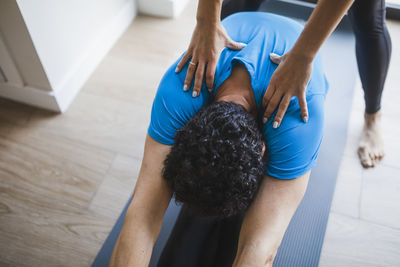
{"type": "Point", "coordinates": [292, 148]}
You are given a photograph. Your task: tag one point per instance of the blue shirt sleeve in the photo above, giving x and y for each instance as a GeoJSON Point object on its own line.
{"type": "Point", "coordinates": [172, 107]}
{"type": "Point", "coordinates": [293, 148]}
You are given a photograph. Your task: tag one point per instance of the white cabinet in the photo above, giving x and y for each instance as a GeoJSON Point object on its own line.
{"type": "Point", "coordinates": [48, 49]}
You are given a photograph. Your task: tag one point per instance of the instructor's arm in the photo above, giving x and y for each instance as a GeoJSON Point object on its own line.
{"type": "Point", "coordinates": [208, 40]}
{"type": "Point", "coordinates": [143, 219]}
{"type": "Point", "coordinates": [295, 67]}
{"type": "Point", "coordinates": [266, 220]}
{"type": "Point", "coordinates": [293, 74]}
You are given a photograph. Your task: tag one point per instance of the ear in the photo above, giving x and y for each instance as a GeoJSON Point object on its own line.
{"type": "Point", "coordinates": [263, 149]}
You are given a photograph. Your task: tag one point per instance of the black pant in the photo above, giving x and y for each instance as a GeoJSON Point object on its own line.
{"type": "Point", "coordinates": [232, 6]}
{"type": "Point", "coordinates": [205, 241]}
{"type": "Point", "coordinates": [373, 48]}
{"type": "Point", "coordinates": [199, 241]}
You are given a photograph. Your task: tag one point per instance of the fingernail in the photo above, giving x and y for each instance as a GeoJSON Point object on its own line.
{"type": "Point", "coordinates": [176, 69]}
{"type": "Point", "coordinates": [305, 118]}
{"type": "Point", "coordinates": [265, 120]}
{"type": "Point", "coordinates": [194, 94]}
{"type": "Point", "coordinates": [272, 55]}
{"type": "Point", "coordinates": [275, 125]}
{"type": "Point", "coordinates": [243, 44]}
{"type": "Point", "coordinates": [185, 87]}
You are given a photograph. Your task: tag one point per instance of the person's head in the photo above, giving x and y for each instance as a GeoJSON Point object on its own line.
{"type": "Point", "coordinates": [215, 165]}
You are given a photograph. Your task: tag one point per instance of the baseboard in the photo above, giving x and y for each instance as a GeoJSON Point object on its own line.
{"type": "Point", "coordinates": [393, 11]}
{"type": "Point", "coordinates": [65, 91]}
{"type": "Point", "coordinates": [31, 96]}
{"type": "Point", "coordinates": [162, 8]}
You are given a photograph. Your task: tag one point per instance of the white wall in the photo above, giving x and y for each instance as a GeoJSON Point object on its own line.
{"type": "Point", "coordinates": [69, 39]}
{"type": "Point", "coordinates": [163, 8]}
{"type": "Point", "coordinates": [65, 32]}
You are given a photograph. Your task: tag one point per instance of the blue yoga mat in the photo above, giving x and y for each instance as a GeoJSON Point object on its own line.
{"type": "Point", "coordinates": [302, 243]}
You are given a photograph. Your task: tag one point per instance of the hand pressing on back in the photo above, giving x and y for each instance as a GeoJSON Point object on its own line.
{"type": "Point", "coordinates": [208, 41]}
{"type": "Point", "coordinates": [289, 79]}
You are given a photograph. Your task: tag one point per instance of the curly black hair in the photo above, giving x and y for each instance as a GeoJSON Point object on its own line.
{"type": "Point", "coordinates": [215, 165]}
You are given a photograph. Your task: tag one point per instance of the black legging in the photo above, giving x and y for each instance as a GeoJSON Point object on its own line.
{"type": "Point", "coordinates": [199, 241]}
{"type": "Point", "coordinates": [373, 49]}
{"type": "Point", "coordinates": [373, 44]}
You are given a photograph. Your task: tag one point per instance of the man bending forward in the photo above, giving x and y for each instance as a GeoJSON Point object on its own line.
{"type": "Point", "coordinates": [215, 155]}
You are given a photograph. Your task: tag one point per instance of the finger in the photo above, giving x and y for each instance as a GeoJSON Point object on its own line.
{"type": "Point", "coordinates": [235, 45]}
{"type": "Point", "coordinates": [210, 75]}
{"type": "Point", "coordinates": [189, 75]}
{"type": "Point", "coordinates": [183, 61]}
{"type": "Point", "coordinates": [281, 111]}
{"type": "Point", "coordinates": [268, 94]}
{"type": "Point", "coordinates": [275, 58]}
{"type": "Point", "coordinates": [303, 107]}
{"type": "Point", "coordinates": [272, 105]}
{"type": "Point", "coordinates": [198, 80]}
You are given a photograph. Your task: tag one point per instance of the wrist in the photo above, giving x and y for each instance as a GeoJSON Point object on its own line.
{"type": "Point", "coordinates": [301, 56]}
{"type": "Point", "coordinates": [209, 11]}
{"type": "Point", "coordinates": [207, 22]}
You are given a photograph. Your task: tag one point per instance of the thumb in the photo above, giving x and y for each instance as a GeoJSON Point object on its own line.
{"type": "Point", "coordinates": [235, 45]}
{"type": "Point", "coordinates": [275, 58]}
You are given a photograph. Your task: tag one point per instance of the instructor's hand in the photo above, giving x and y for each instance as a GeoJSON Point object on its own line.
{"type": "Point", "coordinates": [289, 79]}
{"type": "Point", "coordinates": [208, 41]}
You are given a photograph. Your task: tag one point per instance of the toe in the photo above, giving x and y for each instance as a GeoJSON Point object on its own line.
{"type": "Point", "coordinates": [373, 162]}
{"type": "Point", "coordinates": [366, 162]}
{"type": "Point", "coordinates": [372, 155]}
{"type": "Point", "coordinates": [373, 158]}
{"type": "Point", "coordinates": [364, 157]}
{"type": "Point", "coordinates": [378, 156]}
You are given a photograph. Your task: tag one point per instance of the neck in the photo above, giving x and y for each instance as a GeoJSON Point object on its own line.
{"type": "Point", "coordinates": [237, 89]}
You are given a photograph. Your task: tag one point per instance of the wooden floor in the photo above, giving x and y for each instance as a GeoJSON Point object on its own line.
{"type": "Point", "coordinates": [65, 178]}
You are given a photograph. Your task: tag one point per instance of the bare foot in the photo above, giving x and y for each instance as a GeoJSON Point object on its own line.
{"type": "Point", "coordinates": [371, 148]}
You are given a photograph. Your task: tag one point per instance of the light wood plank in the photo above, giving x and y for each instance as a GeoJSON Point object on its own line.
{"type": "Point", "coordinates": [47, 175]}
{"type": "Point", "coordinates": [122, 79]}
{"type": "Point", "coordinates": [15, 113]}
{"type": "Point", "coordinates": [5, 128]}
{"type": "Point", "coordinates": [37, 231]}
{"type": "Point", "coordinates": [84, 155]}
{"type": "Point", "coordinates": [117, 187]}
{"type": "Point", "coordinates": [348, 188]}
{"type": "Point", "coordinates": [356, 243]}
{"type": "Point", "coordinates": [100, 121]}
{"type": "Point", "coordinates": [380, 202]}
